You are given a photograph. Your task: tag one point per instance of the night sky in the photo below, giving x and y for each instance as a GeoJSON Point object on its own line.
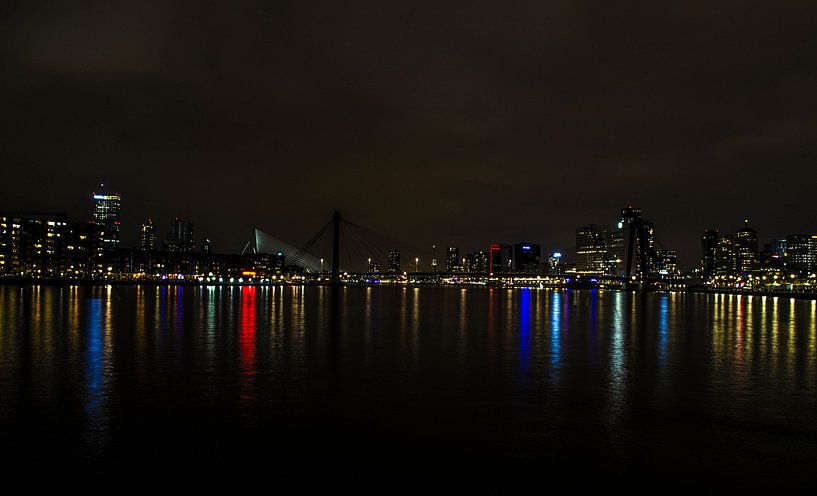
{"type": "Point", "coordinates": [450, 122]}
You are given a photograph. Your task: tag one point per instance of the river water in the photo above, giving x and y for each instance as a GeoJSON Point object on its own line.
{"type": "Point", "coordinates": [434, 387]}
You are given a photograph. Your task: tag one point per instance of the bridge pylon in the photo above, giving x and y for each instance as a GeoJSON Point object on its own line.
{"type": "Point", "coordinates": [336, 247]}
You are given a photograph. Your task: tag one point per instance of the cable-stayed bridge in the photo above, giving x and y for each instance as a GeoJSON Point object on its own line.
{"type": "Point", "coordinates": [344, 247]}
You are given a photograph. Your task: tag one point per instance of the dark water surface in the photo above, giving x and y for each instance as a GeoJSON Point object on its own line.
{"type": "Point", "coordinates": [435, 387]}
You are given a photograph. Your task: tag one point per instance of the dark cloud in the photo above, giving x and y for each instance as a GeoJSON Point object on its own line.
{"type": "Point", "coordinates": [446, 122]}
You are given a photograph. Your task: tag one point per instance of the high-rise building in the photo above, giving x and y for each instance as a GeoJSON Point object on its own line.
{"type": "Point", "coordinates": [107, 207]}
{"type": "Point", "coordinates": [452, 259]}
{"type": "Point", "coordinates": [666, 262]}
{"type": "Point", "coordinates": [726, 257]}
{"type": "Point", "coordinates": [279, 263]}
{"type": "Point", "coordinates": [526, 258]}
{"type": "Point", "coordinates": [814, 253]}
{"type": "Point", "coordinates": [709, 252]}
{"type": "Point", "coordinates": [147, 236]}
{"type": "Point", "coordinates": [477, 262]}
{"type": "Point", "coordinates": [555, 265]}
{"type": "Point", "coordinates": [500, 258]}
{"type": "Point", "coordinates": [598, 250]}
{"type": "Point", "coordinates": [49, 246]}
{"type": "Point", "coordinates": [394, 261]}
{"type": "Point", "coordinates": [182, 236]}
{"type": "Point", "coordinates": [639, 233]}
{"type": "Point", "coordinates": [746, 249]}
{"type": "Point", "coordinates": [800, 254]}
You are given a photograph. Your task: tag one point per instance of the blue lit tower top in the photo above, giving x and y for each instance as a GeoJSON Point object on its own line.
{"type": "Point", "coordinates": [107, 207]}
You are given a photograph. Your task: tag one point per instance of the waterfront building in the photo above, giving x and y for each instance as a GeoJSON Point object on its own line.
{"type": "Point", "coordinates": [500, 258]}
{"type": "Point", "coordinates": [477, 262]}
{"type": "Point", "coordinates": [800, 252]}
{"type": "Point", "coordinates": [107, 208]}
{"type": "Point", "coordinates": [555, 263]}
{"type": "Point", "coordinates": [147, 236]}
{"type": "Point", "coordinates": [726, 257]}
{"type": "Point", "coordinates": [667, 263]}
{"type": "Point", "coordinates": [526, 258]}
{"type": "Point", "coordinates": [709, 252]}
{"type": "Point", "coordinates": [452, 259]}
{"type": "Point", "coordinates": [746, 249]}
{"type": "Point", "coordinates": [393, 262]}
{"type": "Point", "coordinates": [182, 236]}
{"type": "Point", "coordinates": [598, 250]}
{"type": "Point", "coordinates": [49, 246]}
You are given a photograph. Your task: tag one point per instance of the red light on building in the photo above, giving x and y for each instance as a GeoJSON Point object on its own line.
{"type": "Point", "coordinates": [493, 248]}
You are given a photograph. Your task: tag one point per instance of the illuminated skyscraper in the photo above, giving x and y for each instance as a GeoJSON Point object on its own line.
{"type": "Point", "coordinates": [394, 261]}
{"type": "Point", "coordinates": [800, 253]}
{"type": "Point", "coordinates": [666, 263]}
{"type": "Point", "coordinates": [147, 236]}
{"type": "Point", "coordinates": [746, 249]}
{"type": "Point", "coordinates": [452, 260]}
{"type": "Point", "coordinates": [726, 257]}
{"type": "Point", "coordinates": [107, 207]}
{"type": "Point", "coordinates": [477, 262]}
{"type": "Point", "coordinates": [599, 250]}
{"type": "Point", "coordinates": [555, 265]}
{"type": "Point", "coordinates": [592, 249]}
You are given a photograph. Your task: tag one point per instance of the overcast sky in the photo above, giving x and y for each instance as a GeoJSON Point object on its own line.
{"type": "Point", "coordinates": [437, 122]}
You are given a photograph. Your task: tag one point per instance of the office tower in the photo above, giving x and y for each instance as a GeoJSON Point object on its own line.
{"type": "Point", "coordinates": [279, 263]}
{"type": "Point", "coordinates": [107, 207]}
{"type": "Point", "coordinates": [746, 249]}
{"type": "Point", "coordinates": [394, 261]}
{"type": "Point", "coordinates": [526, 258]}
{"type": "Point", "coordinates": [726, 257]}
{"type": "Point", "coordinates": [638, 239]}
{"type": "Point", "coordinates": [477, 262]}
{"type": "Point", "coordinates": [800, 253]}
{"type": "Point", "coordinates": [206, 246]}
{"type": "Point", "coordinates": [709, 252]}
{"type": "Point", "coordinates": [599, 250]}
{"type": "Point", "coordinates": [592, 249]}
{"type": "Point", "coordinates": [181, 237]}
{"type": "Point", "coordinates": [452, 259]}
{"type": "Point", "coordinates": [147, 236]}
{"type": "Point", "coordinates": [666, 263]}
{"type": "Point", "coordinates": [500, 258]}
{"type": "Point", "coordinates": [555, 265]}
{"type": "Point", "coordinates": [813, 253]}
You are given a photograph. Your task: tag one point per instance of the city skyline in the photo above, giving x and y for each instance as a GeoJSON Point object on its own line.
{"type": "Point", "coordinates": [45, 246]}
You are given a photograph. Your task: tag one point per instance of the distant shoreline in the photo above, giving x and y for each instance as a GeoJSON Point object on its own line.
{"type": "Point", "coordinates": [93, 282]}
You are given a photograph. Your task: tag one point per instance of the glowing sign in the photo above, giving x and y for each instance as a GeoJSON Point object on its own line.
{"type": "Point", "coordinates": [250, 273]}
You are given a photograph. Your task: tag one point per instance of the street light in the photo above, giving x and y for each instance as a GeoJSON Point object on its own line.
{"type": "Point", "coordinates": [417, 264]}
{"type": "Point", "coordinates": [370, 265]}
{"type": "Point", "coordinates": [321, 265]}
